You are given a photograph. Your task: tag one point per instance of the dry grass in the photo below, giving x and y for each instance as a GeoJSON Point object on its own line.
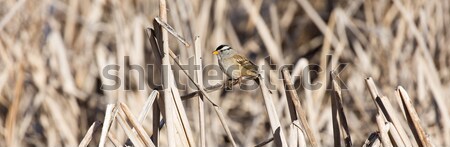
{"type": "Point", "coordinates": [53, 53]}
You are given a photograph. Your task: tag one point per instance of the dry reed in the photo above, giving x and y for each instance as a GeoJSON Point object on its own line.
{"type": "Point", "coordinates": [54, 55]}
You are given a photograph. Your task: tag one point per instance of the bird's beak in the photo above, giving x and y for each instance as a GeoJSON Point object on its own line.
{"type": "Point", "coordinates": [215, 52]}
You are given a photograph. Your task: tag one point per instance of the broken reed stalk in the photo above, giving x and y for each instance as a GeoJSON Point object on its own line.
{"type": "Point", "coordinates": [264, 142]}
{"type": "Point", "coordinates": [109, 117]}
{"type": "Point", "coordinates": [384, 105]}
{"type": "Point", "coordinates": [277, 131]}
{"type": "Point", "coordinates": [372, 141]}
{"type": "Point", "coordinates": [294, 99]}
{"type": "Point", "coordinates": [147, 106]}
{"type": "Point", "coordinates": [166, 70]}
{"type": "Point", "coordinates": [338, 115]}
{"type": "Point", "coordinates": [428, 59]}
{"type": "Point", "coordinates": [179, 109]}
{"type": "Point", "coordinates": [182, 136]}
{"type": "Point", "coordinates": [114, 140]}
{"type": "Point", "coordinates": [199, 79]}
{"type": "Point", "coordinates": [390, 115]}
{"type": "Point", "coordinates": [396, 139]}
{"type": "Point", "coordinates": [301, 70]}
{"type": "Point", "coordinates": [217, 108]}
{"type": "Point", "coordinates": [127, 129]}
{"type": "Point", "coordinates": [383, 128]}
{"type": "Point", "coordinates": [295, 133]}
{"type": "Point", "coordinates": [413, 118]}
{"type": "Point", "coordinates": [206, 89]}
{"type": "Point", "coordinates": [172, 31]}
{"type": "Point", "coordinates": [154, 35]}
{"type": "Point", "coordinates": [151, 34]}
{"type": "Point", "coordinates": [182, 124]}
{"type": "Point", "coordinates": [171, 93]}
{"type": "Point", "coordinates": [137, 127]}
{"type": "Point", "coordinates": [155, 123]}
{"type": "Point", "coordinates": [88, 137]}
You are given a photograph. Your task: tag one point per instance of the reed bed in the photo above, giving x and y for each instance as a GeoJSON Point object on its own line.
{"type": "Point", "coordinates": [383, 67]}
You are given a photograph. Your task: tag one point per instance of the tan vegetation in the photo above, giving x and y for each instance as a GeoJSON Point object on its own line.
{"type": "Point", "coordinates": [393, 92]}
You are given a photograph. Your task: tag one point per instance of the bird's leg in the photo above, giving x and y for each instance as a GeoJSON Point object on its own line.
{"type": "Point", "coordinates": [235, 81]}
{"type": "Point", "coordinates": [239, 80]}
{"type": "Point", "coordinates": [229, 84]}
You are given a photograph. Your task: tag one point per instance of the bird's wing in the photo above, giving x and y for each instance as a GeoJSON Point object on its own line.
{"type": "Point", "coordinates": [245, 63]}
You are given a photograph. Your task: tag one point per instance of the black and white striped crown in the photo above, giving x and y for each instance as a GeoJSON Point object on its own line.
{"type": "Point", "coordinates": [223, 47]}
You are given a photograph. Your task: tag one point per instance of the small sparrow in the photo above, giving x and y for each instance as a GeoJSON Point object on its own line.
{"type": "Point", "coordinates": [235, 66]}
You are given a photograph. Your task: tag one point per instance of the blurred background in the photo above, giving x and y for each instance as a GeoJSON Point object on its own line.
{"type": "Point", "coordinates": [53, 52]}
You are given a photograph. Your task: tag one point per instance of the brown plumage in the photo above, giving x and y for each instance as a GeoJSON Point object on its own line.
{"type": "Point", "coordinates": [234, 65]}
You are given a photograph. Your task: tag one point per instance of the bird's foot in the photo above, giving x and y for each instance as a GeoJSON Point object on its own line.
{"type": "Point", "coordinates": [230, 83]}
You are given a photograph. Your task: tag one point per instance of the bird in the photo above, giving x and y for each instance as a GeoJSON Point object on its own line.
{"type": "Point", "coordinates": [234, 65]}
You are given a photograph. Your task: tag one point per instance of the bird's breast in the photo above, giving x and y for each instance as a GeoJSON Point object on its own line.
{"type": "Point", "coordinates": [230, 67]}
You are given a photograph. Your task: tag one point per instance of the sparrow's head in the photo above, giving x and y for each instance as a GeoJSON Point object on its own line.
{"type": "Point", "coordinates": [222, 49]}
